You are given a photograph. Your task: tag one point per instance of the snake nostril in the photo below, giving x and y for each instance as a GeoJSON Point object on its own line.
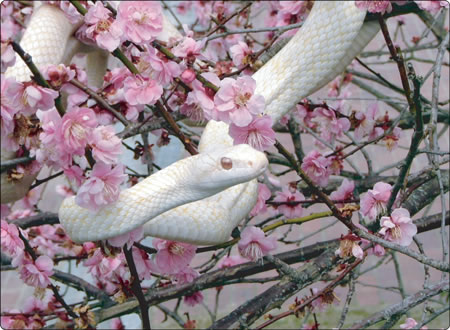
{"type": "Point", "coordinates": [250, 163]}
{"type": "Point", "coordinates": [227, 163]}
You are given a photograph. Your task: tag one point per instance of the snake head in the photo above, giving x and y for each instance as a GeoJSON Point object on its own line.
{"type": "Point", "coordinates": [221, 169]}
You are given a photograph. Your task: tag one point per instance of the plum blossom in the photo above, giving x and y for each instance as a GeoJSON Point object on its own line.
{"type": "Point", "coordinates": [102, 28]}
{"type": "Point", "coordinates": [158, 66]}
{"type": "Point", "coordinates": [432, 6]}
{"type": "Point", "coordinates": [139, 90]}
{"type": "Point", "coordinates": [263, 195]}
{"type": "Point", "coordinates": [398, 228]}
{"type": "Point", "coordinates": [258, 133]}
{"type": "Point", "coordinates": [230, 261]}
{"type": "Point", "coordinates": [240, 54]}
{"type": "Point", "coordinates": [344, 192]}
{"type": "Point", "coordinates": [391, 140]}
{"type": "Point", "coordinates": [128, 238]}
{"type": "Point", "coordinates": [141, 21]}
{"type": "Point", "coordinates": [34, 273]}
{"type": "Point", "coordinates": [188, 76]}
{"type": "Point", "coordinates": [34, 97]}
{"type": "Point", "coordinates": [173, 256]}
{"type": "Point", "coordinates": [199, 104]}
{"type": "Point", "coordinates": [117, 324]}
{"type": "Point", "coordinates": [106, 146]}
{"type": "Point", "coordinates": [316, 167]}
{"type": "Point", "coordinates": [58, 75]}
{"type": "Point", "coordinates": [144, 265]}
{"type": "Point", "coordinates": [186, 275]}
{"type": "Point", "coordinates": [410, 323]}
{"type": "Point", "coordinates": [236, 103]}
{"type": "Point", "coordinates": [324, 300]}
{"type": "Point", "coordinates": [254, 244]}
{"type": "Point", "coordinates": [331, 127]}
{"type": "Point", "coordinates": [193, 299]}
{"type": "Point", "coordinates": [375, 6]}
{"type": "Point", "coordinates": [366, 121]}
{"type": "Point", "coordinates": [10, 240]}
{"type": "Point", "coordinates": [8, 56]}
{"type": "Point", "coordinates": [375, 200]}
{"type": "Point", "coordinates": [76, 128]}
{"type": "Point", "coordinates": [101, 266]}
{"type": "Point", "coordinates": [287, 196]}
{"type": "Point", "coordinates": [102, 188]}
{"type": "Point", "coordinates": [30, 199]}
{"type": "Point", "coordinates": [189, 49]}
{"type": "Point", "coordinates": [349, 247]}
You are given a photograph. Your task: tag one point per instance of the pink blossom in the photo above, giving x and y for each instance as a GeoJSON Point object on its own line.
{"type": "Point", "coordinates": [186, 275]}
{"type": "Point", "coordinates": [391, 140]}
{"type": "Point", "coordinates": [10, 240]}
{"type": "Point", "coordinates": [398, 228]}
{"type": "Point", "coordinates": [102, 188]}
{"type": "Point", "coordinates": [366, 121]}
{"type": "Point", "coordinates": [144, 265]}
{"type": "Point", "coordinates": [128, 238]}
{"type": "Point", "coordinates": [75, 174]}
{"type": "Point", "coordinates": [316, 167]}
{"type": "Point", "coordinates": [34, 97]}
{"type": "Point", "coordinates": [304, 116]}
{"type": "Point", "coordinates": [34, 273]}
{"type": "Point", "coordinates": [410, 323]}
{"type": "Point", "coordinates": [8, 56]}
{"type": "Point", "coordinates": [102, 28]}
{"type": "Point", "coordinates": [173, 256]}
{"type": "Point", "coordinates": [58, 75]}
{"type": "Point", "coordinates": [158, 66]}
{"type": "Point", "coordinates": [236, 103]}
{"type": "Point", "coordinates": [324, 300]}
{"type": "Point", "coordinates": [287, 196]}
{"type": "Point", "coordinates": [106, 146]}
{"type": "Point", "coordinates": [263, 195]}
{"type": "Point", "coordinates": [10, 104]}
{"type": "Point", "coordinates": [141, 21]}
{"type": "Point", "coordinates": [254, 244]}
{"type": "Point", "coordinates": [101, 266]}
{"type": "Point", "coordinates": [189, 49]}
{"type": "Point", "coordinates": [230, 261]}
{"type": "Point", "coordinates": [9, 29]}
{"type": "Point", "coordinates": [258, 133]}
{"type": "Point", "coordinates": [31, 198]}
{"type": "Point", "coordinates": [344, 192]}
{"type": "Point", "coordinates": [188, 76]}
{"type": "Point", "coordinates": [141, 90]}
{"type": "Point", "coordinates": [375, 6]}
{"type": "Point", "coordinates": [331, 127]}
{"type": "Point", "coordinates": [375, 200]}
{"type": "Point", "coordinates": [349, 246]}
{"type": "Point", "coordinates": [117, 324]}
{"type": "Point", "coordinates": [199, 104]}
{"type": "Point", "coordinates": [240, 54]}
{"type": "Point", "coordinates": [432, 6]}
{"type": "Point", "coordinates": [76, 128]}
{"type": "Point", "coordinates": [64, 191]}
{"type": "Point", "coordinates": [193, 299]}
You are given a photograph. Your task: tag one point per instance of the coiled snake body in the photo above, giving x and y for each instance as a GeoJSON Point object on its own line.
{"type": "Point", "coordinates": [217, 199]}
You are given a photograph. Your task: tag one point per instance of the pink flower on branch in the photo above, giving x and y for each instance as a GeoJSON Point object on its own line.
{"type": "Point", "coordinates": [316, 167]}
{"type": "Point", "coordinates": [236, 103]}
{"type": "Point", "coordinates": [141, 21]}
{"type": "Point", "coordinates": [254, 244]}
{"type": "Point", "coordinates": [102, 28]}
{"type": "Point", "coordinates": [398, 228]}
{"type": "Point", "coordinates": [10, 240]}
{"type": "Point", "coordinates": [344, 192]}
{"type": "Point", "coordinates": [128, 238]}
{"type": "Point", "coordinates": [432, 6]}
{"type": "Point", "coordinates": [240, 54]}
{"type": "Point", "coordinates": [139, 90]}
{"type": "Point", "coordinates": [258, 133]}
{"type": "Point", "coordinates": [102, 188]}
{"type": "Point", "coordinates": [173, 256]}
{"type": "Point", "coordinates": [34, 273]}
{"type": "Point", "coordinates": [193, 299]}
{"type": "Point", "coordinates": [349, 246]}
{"type": "Point", "coordinates": [263, 195]}
{"type": "Point", "coordinates": [76, 128]}
{"type": "Point", "coordinates": [375, 6]}
{"type": "Point", "coordinates": [287, 196]}
{"type": "Point", "coordinates": [410, 323]}
{"type": "Point", "coordinates": [106, 146]}
{"type": "Point", "coordinates": [375, 200]}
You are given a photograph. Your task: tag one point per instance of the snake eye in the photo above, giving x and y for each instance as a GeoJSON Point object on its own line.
{"type": "Point", "coordinates": [226, 163]}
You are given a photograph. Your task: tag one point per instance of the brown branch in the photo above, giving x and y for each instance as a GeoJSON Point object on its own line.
{"type": "Point", "coordinates": [136, 288]}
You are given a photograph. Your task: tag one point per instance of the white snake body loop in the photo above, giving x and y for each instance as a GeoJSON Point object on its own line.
{"type": "Point", "coordinates": [322, 48]}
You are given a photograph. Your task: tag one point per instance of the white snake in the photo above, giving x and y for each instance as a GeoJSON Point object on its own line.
{"type": "Point", "coordinates": [330, 38]}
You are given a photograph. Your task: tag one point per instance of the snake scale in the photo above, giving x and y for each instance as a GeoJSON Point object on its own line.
{"type": "Point", "coordinates": [196, 200]}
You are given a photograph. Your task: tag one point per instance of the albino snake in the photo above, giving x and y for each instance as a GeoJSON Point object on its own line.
{"type": "Point", "coordinates": [330, 38]}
